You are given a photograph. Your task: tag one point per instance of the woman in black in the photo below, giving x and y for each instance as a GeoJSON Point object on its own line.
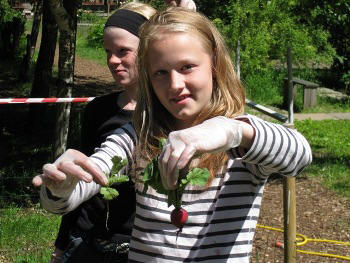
{"type": "Point", "coordinates": [85, 235]}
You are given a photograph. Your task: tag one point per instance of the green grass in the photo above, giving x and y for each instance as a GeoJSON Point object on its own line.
{"type": "Point", "coordinates": [27, 235]}
{"type": "Point", "coordinates": [329, 140]}
{"type": "Point", "coordinates": [264, 87]}
{"type": "Point", "coordinates": [83, 50]}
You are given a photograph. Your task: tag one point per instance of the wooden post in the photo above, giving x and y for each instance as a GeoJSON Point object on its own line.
{"type": "Point", "coordinates": [289, 200]}
{"type": "Point", "coordinates": [289, 209]}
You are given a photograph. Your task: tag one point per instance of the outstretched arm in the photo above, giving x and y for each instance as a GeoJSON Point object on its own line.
{"type": "Point", "coordinates": [265, 148]}
{"type": "Point", "coordinates": [74, 177]}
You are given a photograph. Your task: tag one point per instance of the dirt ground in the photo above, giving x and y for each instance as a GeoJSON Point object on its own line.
{"type": "Point", "coordinates": [321, 214]}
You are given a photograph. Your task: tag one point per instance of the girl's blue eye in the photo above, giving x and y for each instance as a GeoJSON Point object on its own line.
{"type": "Point", "coordinates": [187, 67]}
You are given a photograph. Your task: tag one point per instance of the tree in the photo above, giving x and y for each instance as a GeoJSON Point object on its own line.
{"type": "Point", "coordinates": [65, 13]}
{"type": "Point", "coordinates": [43, 69]}
{"type": "Point", "coordinates": [11, 29]}
{"type": "Point", "coordinates": [333, 16]}
{"type": "Point", "coordinates": [264, 29]}
{"type": "Point", "coordinates": [31, 41]}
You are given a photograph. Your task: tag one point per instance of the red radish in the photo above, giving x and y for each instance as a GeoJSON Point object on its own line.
{"type": "Point", "coordinates": [179, 217]}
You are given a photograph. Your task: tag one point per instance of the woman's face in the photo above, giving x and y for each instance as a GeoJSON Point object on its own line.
{"type": "Point", "coordinates": [180, 70]}
{"type": "Point", "coordinates": [121, 50]}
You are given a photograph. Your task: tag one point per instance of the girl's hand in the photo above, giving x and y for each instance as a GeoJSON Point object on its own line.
{"type": "Point", "coordinates": [214, 135]}
{"type": "Point", "coordinates": [62, 176]}
{"type": "Point", "coordinates": [189, 4]}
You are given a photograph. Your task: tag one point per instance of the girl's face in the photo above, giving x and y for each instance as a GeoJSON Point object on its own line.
{"type": "Point", "coordinates": [121, 50]}
{"type": "Point", "coordinates": [180, 70]}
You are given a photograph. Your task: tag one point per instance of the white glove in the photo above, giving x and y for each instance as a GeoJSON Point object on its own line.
{"type": "Point", "coordinates": [62, 176]}
{"type": "Point", "coordinates": [214, 135]}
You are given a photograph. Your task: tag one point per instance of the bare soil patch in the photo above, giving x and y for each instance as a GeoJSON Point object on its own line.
{"type": "Point", "coordinates": [321, 214]}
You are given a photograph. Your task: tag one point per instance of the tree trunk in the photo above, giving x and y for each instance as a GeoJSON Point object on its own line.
{"type": "Point", "coordinates": [31, 41]}
{"type": "Point", "coordinates": [38, 10]}
{"type": "Point", "coordinates": [66, 16]}
{"type": "Point", "coordinates": [238, 59]}
{"type": "Point", "coordinates": [43, 69]}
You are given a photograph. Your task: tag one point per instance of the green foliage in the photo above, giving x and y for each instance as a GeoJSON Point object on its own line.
{"type": "Point", "coordinates": [265, 29]}
{"type": "Point", "coordinates": [334, 17]}
{"type": "Point", "coordinates": [108, 193]}
{"type": "Point", "coordinates": [95, 34]}
{"type": "Point", "coordinates": [86, 16]}
{"type": "Point", "coordinates": [7, 14]}
{"type": "Point", "coordinates": [197, 176]}
{"type": "Point", "coordinates": [265, 86]}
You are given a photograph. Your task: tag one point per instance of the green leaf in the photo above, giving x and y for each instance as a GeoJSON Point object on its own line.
{"type": "Point", "coordinates": [118, 164]}
{"type": "Point", "coordinates": [109, 193]}
{"type": "Point", "coordinates": [117, 180]}
{"type": "Point", "coordinates": [198, 176]}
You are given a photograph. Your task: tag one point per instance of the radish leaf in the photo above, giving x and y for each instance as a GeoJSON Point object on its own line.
{"type": "Point", "coordinates": [107, 192]}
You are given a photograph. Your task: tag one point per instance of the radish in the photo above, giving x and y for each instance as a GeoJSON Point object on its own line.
{"type": "Point", "coordinates": [178, 217]}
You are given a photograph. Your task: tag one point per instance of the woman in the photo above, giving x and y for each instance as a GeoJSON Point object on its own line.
{"type": "Point", "coordinates": [84, 234]}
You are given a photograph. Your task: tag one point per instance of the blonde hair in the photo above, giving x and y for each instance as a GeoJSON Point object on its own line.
{"type": "Point", "coordinates": [143, 9]}
{"type": "Point", "coordinates": [151, 120]}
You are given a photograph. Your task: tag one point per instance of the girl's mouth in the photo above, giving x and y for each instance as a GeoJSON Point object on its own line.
{"type": "Point", "coordinates": [181, 99]}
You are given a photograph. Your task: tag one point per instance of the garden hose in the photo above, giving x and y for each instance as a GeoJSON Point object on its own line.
{"type": "Point", "coordinates": [302, 240]}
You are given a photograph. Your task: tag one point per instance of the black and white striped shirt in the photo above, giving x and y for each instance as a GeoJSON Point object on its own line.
{"type": "Point", "coordinates": [222, 218]}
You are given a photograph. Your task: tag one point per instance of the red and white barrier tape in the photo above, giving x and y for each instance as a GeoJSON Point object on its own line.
{"type": "Point", "coordinates": [44, 100]}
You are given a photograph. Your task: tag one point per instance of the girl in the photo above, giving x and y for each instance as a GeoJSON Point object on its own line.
{"type": "Point", "coordinates": [190, 94]}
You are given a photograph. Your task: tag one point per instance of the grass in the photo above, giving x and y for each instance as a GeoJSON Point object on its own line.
{"type": "Point", "coordinates": [27, 235]}
{"type": "Point", "coordinates": [83, 50]}
{"type": "Point", "coordinates": [329, 140]}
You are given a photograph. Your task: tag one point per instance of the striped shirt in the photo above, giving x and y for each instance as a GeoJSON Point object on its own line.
{"type": "Point", "coordinates": [222, 218]}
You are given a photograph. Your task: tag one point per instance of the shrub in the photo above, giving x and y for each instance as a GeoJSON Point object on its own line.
{"type": "Point", "coordinates": [95, 34]}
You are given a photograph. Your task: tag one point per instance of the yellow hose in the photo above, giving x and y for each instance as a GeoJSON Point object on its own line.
{"type": "Point", "coordinates": [302, 240]}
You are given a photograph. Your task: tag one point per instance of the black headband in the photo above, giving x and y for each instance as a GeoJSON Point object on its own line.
{"type": "Point", "coordinates": [126, 19]}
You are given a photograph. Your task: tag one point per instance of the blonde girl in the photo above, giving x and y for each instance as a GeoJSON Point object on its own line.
{"type": "Point", "coordinates": [189, 93]}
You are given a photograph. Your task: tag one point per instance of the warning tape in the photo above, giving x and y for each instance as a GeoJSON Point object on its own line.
{"type": "Point", "coordinates": [44, 100]}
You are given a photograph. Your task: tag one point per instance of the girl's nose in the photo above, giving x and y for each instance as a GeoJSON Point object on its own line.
{"type": "Point", "coordinates": [176, 80]}
{"type": "Point", "coordinates": [113, 59]}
